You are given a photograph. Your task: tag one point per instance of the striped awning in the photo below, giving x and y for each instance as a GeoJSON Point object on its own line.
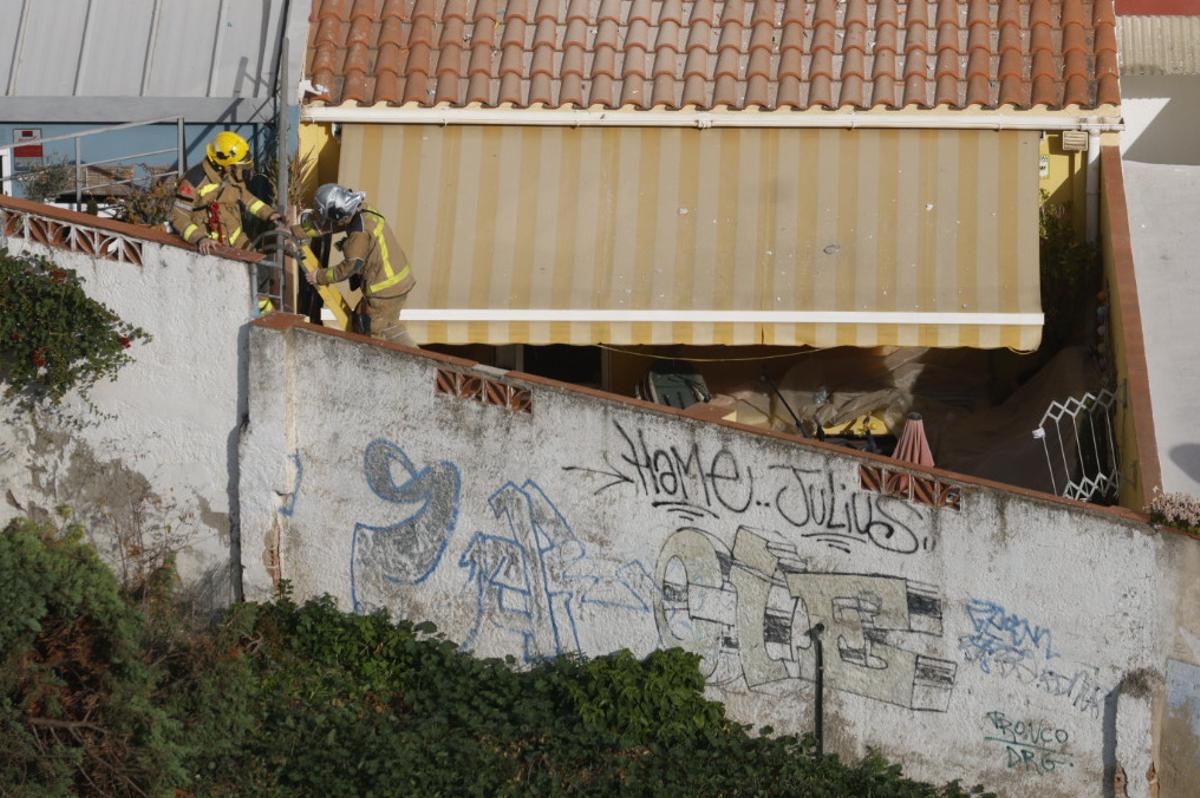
{"type": "Point", "coordinates": [721, 236]}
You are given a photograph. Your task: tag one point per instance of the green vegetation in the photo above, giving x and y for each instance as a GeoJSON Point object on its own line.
{"type": "Point", "coordinates": [53, 337]}
{"type": "Point", "coordinates": [1070, 276]}
{"type": "Point", "coordinates": [147, 201]}
{"type": "Point", "coordinates": [108, 693]}
{"type": "Point", "coordinates": [49, 181]}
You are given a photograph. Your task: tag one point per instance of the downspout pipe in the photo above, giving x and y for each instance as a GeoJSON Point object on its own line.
{"type": "Point", "coordinates": [1093, 186]}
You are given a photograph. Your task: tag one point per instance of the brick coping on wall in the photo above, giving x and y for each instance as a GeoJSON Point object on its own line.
{"type": "Point", "coordinates": [154, 235]}
{"type": "Point", "coordinates": [285, 321]}
{"type": "Point", "coordinates": [1126, 294]}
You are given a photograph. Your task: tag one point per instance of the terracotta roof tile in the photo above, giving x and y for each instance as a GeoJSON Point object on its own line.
{"type": "Point", "coordinates": [883, 67]}
{"type": "Point", "coordinates": [708, 53]}
{"type": "Point", "coordinates": [1104, 23]}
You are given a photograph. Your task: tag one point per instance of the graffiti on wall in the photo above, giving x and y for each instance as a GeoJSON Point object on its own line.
{"type": "Point", "coordinates": [747, 613]}
{"type": "Point", "coordinates": [407, 551]}
{"type": "Point", "coordinates": [1031, 746]}
{"type": "Point", "coordinates": [287, 506]}
{"type": "Point", "coordinates": [697, 485]}
{"type": "Point", "coordinates": [745, 609]}
{"type": "Point", "coordinates": [1007, 645]}
{"type": "Point", "coordinates": [536, 581]}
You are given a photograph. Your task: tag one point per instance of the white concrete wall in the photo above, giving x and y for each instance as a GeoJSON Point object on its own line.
{"type": "Point", "coordinates": [151, 467]}
{"type": "Point", "coordinates": [1161, 113]}
{"type": "Point", "coordinates": [1014, 641]}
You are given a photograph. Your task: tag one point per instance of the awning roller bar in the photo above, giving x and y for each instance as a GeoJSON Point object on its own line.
{"type": "Point", "coordinates": [722, 316]}
{"type": "Point", "coordinates": [959, 120]}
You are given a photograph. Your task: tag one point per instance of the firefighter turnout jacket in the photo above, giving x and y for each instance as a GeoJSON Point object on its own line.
{"type": "Point", "coordinates": [208, 203]}
{"type": "Point", "coordinates": [371, 251]}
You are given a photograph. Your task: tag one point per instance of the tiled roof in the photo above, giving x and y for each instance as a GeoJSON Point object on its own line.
{"type": "Point", "coordinates": [710, 53]}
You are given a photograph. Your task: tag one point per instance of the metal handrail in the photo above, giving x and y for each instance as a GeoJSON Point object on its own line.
{"type": "Point", "coordinates": [80, 184]}
{"type": "Point", "coordinates": [93, 186]}
{"type": "Point", "coordinates": [121, 158]}
{"type": "Point", "coordinates": [92, 132]}
{"type": "Point", "coordinates": [118, 159]}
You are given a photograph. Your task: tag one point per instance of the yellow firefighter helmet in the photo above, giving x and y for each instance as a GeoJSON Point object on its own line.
{"type": "Point", "coordinates": [228, 148]}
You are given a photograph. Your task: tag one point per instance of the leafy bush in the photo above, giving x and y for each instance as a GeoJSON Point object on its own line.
{"type": "Point", "coordinates": [54, 338]}
{"type": "Point", "coordinates": [287, 700]}
{"type": "Point", "coordinates": [49, 181]}
{"type": "Point", "coordinates": [77, 714]}
{"type": "Point", "coordinates": [148, 202]}
{"type": "Point", "coordinates": [1070, 270]}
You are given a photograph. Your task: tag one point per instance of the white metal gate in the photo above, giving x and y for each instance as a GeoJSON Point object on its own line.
{"type": "Point", "coordinates": [1078, 438]}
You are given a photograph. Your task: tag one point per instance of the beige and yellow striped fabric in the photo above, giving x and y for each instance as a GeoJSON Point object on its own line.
{"type": "Point", "coordinates": [721, 236]}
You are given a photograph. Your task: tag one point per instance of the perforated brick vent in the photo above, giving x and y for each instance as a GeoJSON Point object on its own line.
{"type": "Point", "coordinates": [70, 236]}
{"type": "Point", "coordinates": [910, 487]}
{"type": "Point", "coordinates": [485, 390]}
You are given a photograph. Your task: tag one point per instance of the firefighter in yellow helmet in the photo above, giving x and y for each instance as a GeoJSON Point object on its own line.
{"type": "Point", "coordinates": [210, 197]}
{"type": "Point", "coordinates": [372, 254]}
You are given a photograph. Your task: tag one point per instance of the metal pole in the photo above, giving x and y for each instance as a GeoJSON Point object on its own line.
{"type": "Point", "coordinates": [791, 412]}
{"type": "Point", "coordinates": [1092, 181]}
{"type": "Point", "coordinates": [286, 286]}
{"type": "Point", "coordinates": [281, 133]}
{"type": "Point", "coordinates": [819, 708]}
{"type": "Point", "coordinates": [181, 144]}
{"type": "Point", "coordinates": [78, 174]}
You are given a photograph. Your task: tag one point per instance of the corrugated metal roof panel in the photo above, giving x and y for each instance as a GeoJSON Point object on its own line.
{"type": "Point", "coordinates": [1159, 45]}
{"type": "Point", "coordinates": [130, 48]}
{"type": "Point", "coordinates": [50, 35]}
{"type": "Point", "coordinates": [115, 53]}
{"type": "Point", "coordinates": [8, 43]}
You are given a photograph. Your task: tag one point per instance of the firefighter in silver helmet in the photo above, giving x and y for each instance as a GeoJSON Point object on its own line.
{"type": "Point", "coordinates": [371, 251]}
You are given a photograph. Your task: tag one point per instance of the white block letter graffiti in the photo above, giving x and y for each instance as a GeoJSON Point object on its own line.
{"type": "Point", "coordinates": [760, 602]}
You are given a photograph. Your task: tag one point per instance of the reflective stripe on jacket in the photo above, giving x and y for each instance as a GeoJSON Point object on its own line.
{"type": "Point", "coordinates": [371, 249]}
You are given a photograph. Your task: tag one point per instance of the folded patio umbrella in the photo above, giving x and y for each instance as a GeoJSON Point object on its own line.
{"type": "Point", "coordinates": [913, 446]}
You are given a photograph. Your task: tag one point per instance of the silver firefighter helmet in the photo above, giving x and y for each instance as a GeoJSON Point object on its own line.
{"type": "Point", "coordinates": [336, 205]}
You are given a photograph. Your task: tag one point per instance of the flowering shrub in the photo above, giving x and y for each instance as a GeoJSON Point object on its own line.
{"type": "Point", "coordinates": [1175, 509]}
{"type": "Point", "coordinates": [54, 338]}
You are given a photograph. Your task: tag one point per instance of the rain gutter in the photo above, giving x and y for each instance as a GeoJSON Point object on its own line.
{"type": "Point", "coordinates": [569, 117]}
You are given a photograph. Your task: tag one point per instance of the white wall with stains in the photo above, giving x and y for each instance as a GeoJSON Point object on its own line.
{"type": "Point", "coordinates": [151, 466]}
{"type": "Point", "coordinates": [999, 638]}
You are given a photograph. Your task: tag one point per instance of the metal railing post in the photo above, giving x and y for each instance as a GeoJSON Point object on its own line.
{"type": "Point", "coordinates": [78, 173]}
{"type": "Point", "coordinates": [285, 265]}
{"type": "Point", "coordinates": [181, 159]}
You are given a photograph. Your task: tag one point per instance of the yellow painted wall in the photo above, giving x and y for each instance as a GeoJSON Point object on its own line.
{"type": "Point", "coordinates": [320, 152]}
{"type": "Point", "coordinates": [1065, 181]}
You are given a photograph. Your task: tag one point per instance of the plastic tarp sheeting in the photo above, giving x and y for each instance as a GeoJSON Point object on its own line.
{"type": "Point", "coordinates": [949, 388]}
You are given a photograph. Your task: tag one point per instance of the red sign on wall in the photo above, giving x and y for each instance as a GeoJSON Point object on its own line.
{"type": "Point", "coordinates": [27, 134]}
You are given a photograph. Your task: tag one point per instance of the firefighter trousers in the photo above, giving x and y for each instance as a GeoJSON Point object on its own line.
{"type": "Point", "coordinates": [381, 319]}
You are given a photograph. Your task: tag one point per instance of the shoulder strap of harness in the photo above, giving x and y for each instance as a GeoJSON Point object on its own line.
{"type": "Point", "coordinates": [196, 175]}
